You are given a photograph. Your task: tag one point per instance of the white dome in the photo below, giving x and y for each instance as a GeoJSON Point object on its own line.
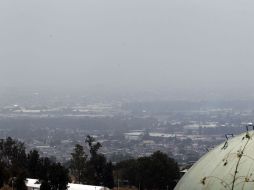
{"type": "Point", "coordinates": [228, 166]}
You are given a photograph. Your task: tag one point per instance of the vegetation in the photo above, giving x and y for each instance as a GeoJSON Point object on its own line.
{"type": "Point", "coordinates": [16, 166]}
{"type": "Point", "coordinates": [78, 163]}
{"type": "Point", "coordinates": [157, 171]}
{"type": "Point", "coordinates": [95, 170]}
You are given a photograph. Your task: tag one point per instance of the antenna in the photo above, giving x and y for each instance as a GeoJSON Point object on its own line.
{"type": "Point", "coordinates": [229, 135]}
{"type": "Point", "coordinates": [249, 125]}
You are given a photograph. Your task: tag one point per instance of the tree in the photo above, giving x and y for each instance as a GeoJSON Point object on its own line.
{"type": "Point", "coordinates": [144, 173]}
{"type": "Point", "coordinates": [16, 165]}
{"type": "Point", "coordinates": [78, 163]}
{"type": "Point", "coordinates": [165, 170]}
{"type": "Point", "coordinates": [20, 181]}
{"type": "Point", "coordinates": [93, 145]}
{"type": "Point", "coordinates": [13, 152]}
{"type": "Point", "coordinates": [3, 174]}
{"type": "Point", "coordinates": [95, 169]}
{"type": "Point", "coordinates": [126, 170]}
{"type": "Point", "coordinates": [98, 171]}
{"type": "Point", "coordinates": [58, 177]}
{"type": "Point", "coordinates": [33, 164]}
{"type": "Point", "coordinates": [108, 179]}
{"type": "Point", "coordinates": [13, 163]}
{"type": "Point", "coordinates": [157, 171]}
{"type": "Point", "coordinates": [44, 185]}
{"type": "Point", "coordinates": [53, 175]}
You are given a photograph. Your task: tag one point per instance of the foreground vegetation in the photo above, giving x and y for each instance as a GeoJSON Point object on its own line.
{"type": "Point", "coordinates": [157, 171]}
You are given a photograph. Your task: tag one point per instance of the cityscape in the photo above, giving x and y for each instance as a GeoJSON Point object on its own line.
{"type": "Point", "coordinates": [125, 129]}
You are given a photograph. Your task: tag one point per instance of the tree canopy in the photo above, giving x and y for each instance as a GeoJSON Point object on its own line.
{"type": "Point", "coordinates": [16, 166]}
{"type": "Point", "coordinates": [157, 171]}
{"type": "Point", "coordinates": [92, 169]}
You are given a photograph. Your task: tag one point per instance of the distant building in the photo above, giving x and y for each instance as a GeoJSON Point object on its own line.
{"type": "Point", "coordinates": [136, 135]}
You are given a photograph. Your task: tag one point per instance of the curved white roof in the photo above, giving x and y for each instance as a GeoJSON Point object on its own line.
{"type": "Point", "coordinates": [229, 166]}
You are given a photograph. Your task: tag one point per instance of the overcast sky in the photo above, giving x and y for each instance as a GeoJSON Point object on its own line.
{"type": "Point", "coordinates": [135, 44]}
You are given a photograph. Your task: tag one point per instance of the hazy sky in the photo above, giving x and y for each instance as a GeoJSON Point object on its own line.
{"type": "Point", "coordinates": [135, 44]}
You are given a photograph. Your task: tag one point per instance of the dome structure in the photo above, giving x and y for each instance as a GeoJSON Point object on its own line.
{"type": "Point", "coordinates": [229, 166]}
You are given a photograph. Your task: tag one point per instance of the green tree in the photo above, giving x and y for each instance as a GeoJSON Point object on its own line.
{"type": "Point", "coordinates": [33, 164]}
{"type": "Point", "coordinates": [3, 174]}
{"type": "Point", "coordinates": [20, 181]}
{"type": "Point", "coordinates": [43, 170]}
{"type": "Point", "coordinates": [53, 175]}
{"type": "Point", "coordinates": [108, 179]}
{"type": "Point", "coordinates": [127, 170]}
{"type": "Point", "coordinates": [13, 158]}
{"type": "Point", "coordinates": [78, 163]}
{"type": "Point", "coordinates": [13, 152]}
{"type": "Point", "coordinates": [165, 171]}
{"type": "Point", "coordinates": [98, 171]}
{"type": "Point", "coordinates": [95, 169]}
{"type": "Point", "coordinates": [93, 145]}
{"type": "Point", "coordinates": [58, 177]}
{"type": "Point", "coordinates": [16, 165]}
{"type": "Point", "coordinates": [157, 171]}
{"type": "Point", "coordinates": [44, 185]}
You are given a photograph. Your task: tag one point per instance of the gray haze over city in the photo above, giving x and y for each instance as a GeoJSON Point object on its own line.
{"type": "Point", "coordinates": [137, 75]}
{"type": "Point", "coordinates": [188, 49]}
